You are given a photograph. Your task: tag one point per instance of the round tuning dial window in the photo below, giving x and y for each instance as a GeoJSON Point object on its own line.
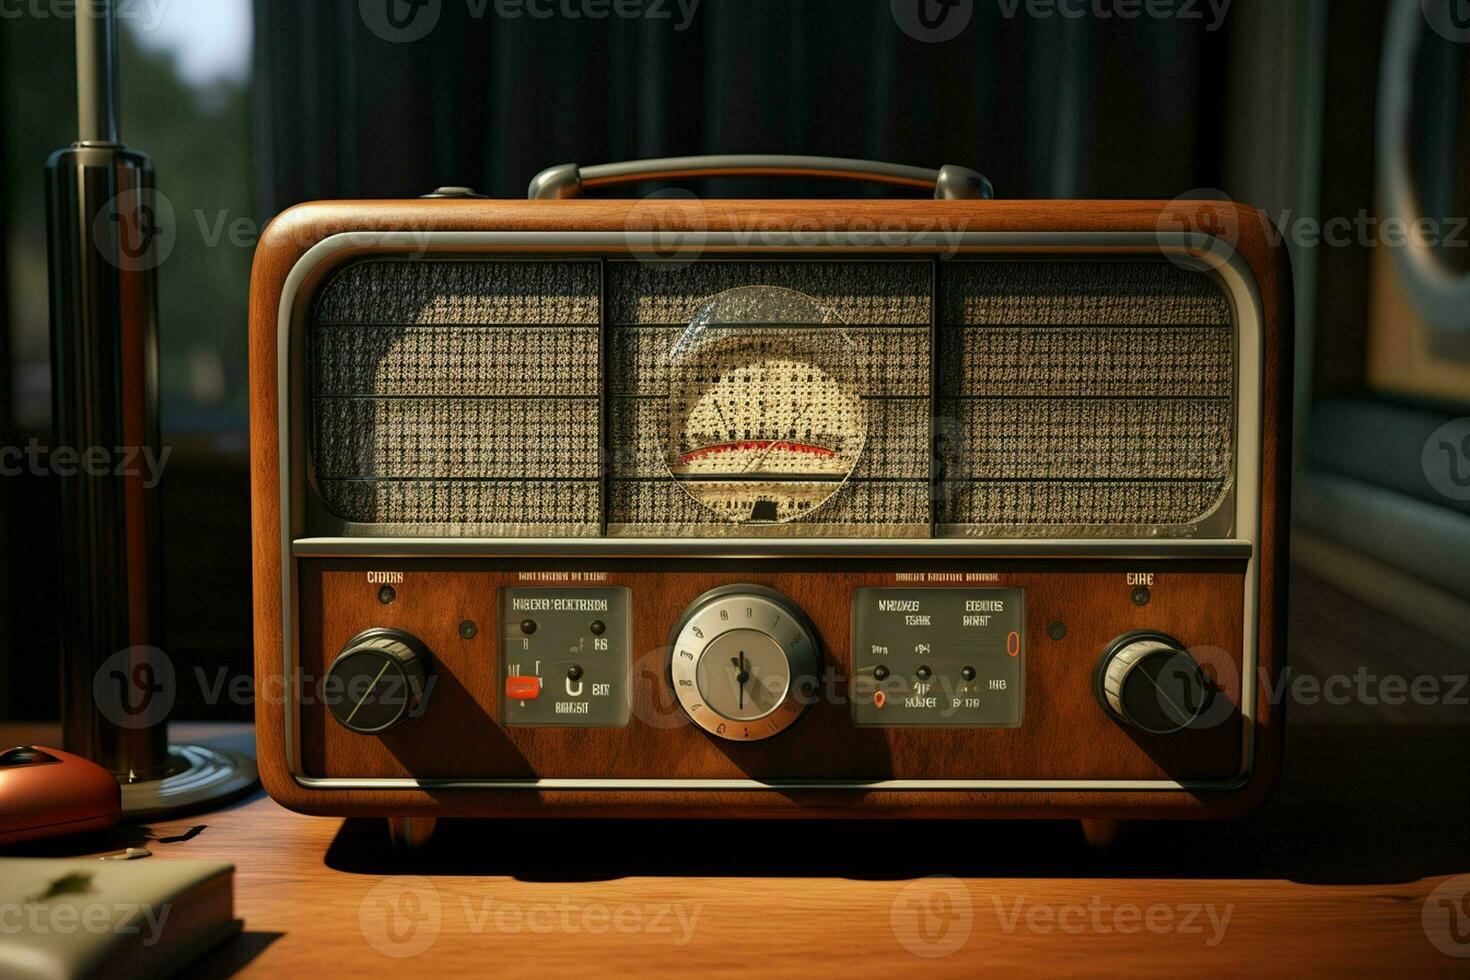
{"type": "Point", "coordinates": [1150, 682]}
{"type": "Point", "coordinates": [744, 661]}
{"type": "Point", "coordinates": [765, 415]}
{"type": "Point", "coordinates": [377, 681]}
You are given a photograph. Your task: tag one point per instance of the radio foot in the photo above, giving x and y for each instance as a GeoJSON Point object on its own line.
{"type": "Point", "coordinates": [408, 834]}
{"type": "Point", "coordinates": [1102, 834]}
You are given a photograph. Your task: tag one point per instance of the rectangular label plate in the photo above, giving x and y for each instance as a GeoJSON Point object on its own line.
{"type": "Point", "coordinates": [938, 658]}
{"type": "Point", "coordinates": [565, 657]}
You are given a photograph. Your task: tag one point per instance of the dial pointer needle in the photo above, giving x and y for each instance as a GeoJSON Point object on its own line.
{"type": "Point", "coordinates": [741, 676]}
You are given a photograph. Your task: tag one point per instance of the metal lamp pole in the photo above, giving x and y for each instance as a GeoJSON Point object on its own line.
{"type": "Point", "coordinates": [117, 684]}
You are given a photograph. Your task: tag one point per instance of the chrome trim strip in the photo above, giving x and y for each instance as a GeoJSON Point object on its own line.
{"type": "Point", "coordinates": [1250, 319]}
{"type": "Point", "coordinates": [738, 785]}
{"type": "Point", "coordinates": [764, 548]}
{"type": "Point", "coordinates": [1218, 257]}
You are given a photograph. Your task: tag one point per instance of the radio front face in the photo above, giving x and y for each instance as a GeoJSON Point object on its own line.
{"type": "Point", "coordinates": [625, 673]}
{"type": "Point", "coordinates": [571, 521]}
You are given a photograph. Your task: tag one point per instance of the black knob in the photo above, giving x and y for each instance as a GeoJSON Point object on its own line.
{"type": "Point", "coordinates": [377, 681]}
{"type": "Point", "coordinates": [1149, 681]}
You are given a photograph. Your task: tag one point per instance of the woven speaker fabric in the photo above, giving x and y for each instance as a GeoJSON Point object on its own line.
{"type": "Point", "coordinates": [465, 395]}
{"type": "Point", "coordinates": [1083, 398]}
{"type": "Point", "coordinates": [460, 395]}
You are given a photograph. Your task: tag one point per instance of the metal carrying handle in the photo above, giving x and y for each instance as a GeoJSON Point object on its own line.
{"type": "Point", "coordinates": [950, 182]}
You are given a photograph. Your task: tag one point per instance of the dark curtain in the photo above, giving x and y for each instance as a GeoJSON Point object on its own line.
{"type": "Point", "coordinates": [1046, 107]}
{"type": "Point", "coordinates": [10, 694]}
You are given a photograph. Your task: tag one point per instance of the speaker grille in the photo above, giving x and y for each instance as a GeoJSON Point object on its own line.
{"type": "Point", "coordinates": [469, 395]}
{"type": "Point", "coordinates": [460, 396]}
{"type": "Point", "coordinates": [1079, 398]}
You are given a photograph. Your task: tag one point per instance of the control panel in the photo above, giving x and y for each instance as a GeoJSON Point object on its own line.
{"type": "Point", "coordinates": [938, 658]}
{"type": "Point", "coordinates": [808, 671]}
{"type": "Point", "coordinates": [566, 656]}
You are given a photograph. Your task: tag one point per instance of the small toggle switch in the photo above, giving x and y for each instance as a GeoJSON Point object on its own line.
{"type": "Point", "coordinates": [523, 687]}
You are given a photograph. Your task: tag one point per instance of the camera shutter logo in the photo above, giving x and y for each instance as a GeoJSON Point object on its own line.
{"type": "Point", "coordinates": [136, 229]}
{"type": "Point", "coordinates": [400, 21]}
{"type": "Point", "coordinates": [1446, 917]}
{"type": "Point", "coordinates": [1450, 19]}
{"type": "Point", "coordinates": [1204, 211]}
{"type": "Point", "coordinates": [1446, 459]}
{"type": "Point", "coordinates": [666, 229]}
{"type": "Point", "coordinates": [135, 688]}
{"type": "Point", "coordinates": [933, 916]}
{"type": "Point", "coordinates": [932, 21]}
{"type": "Point", "coordinates": [401, 917]}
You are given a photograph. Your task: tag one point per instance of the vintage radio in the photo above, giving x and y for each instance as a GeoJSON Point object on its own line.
{"type": "Point", "coordinates": [676, 507]}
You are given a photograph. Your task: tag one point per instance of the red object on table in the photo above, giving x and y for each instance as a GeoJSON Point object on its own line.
{"type": "Point", "coordinates": [45, 792]}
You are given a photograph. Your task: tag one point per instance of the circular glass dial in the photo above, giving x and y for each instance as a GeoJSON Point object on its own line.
{"type": "Point", "coordinates": [740, 655]}
{"type": "Point", "coordinates": [765, 421]}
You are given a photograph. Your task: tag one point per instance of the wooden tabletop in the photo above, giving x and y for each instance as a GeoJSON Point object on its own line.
{"type": "Point", "coordinates": [1337, 884]}
{"type": "Point", "coordinates": [1337, 873]}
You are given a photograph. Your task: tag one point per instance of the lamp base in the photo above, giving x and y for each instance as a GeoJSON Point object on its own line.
{"type": "Point", "coordinates": [202, 779]}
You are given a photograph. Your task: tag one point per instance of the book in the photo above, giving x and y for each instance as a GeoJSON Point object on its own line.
{"type": "Point", "coordinates": [81, 918]}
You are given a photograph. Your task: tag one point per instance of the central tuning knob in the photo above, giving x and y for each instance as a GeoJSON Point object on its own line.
{"type": "Point", "coordinates": [745, 661]}
{"type": "Point", "coordinates": [1149, 681]}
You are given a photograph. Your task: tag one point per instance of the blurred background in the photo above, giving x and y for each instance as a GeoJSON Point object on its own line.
{"type": "Point", "coordinates": [248, 107]}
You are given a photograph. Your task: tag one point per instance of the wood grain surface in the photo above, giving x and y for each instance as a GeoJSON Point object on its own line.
{"type": "Point", "coordinates": [1323, 880]}
{"type": "Point", "coordinates": [1065, 733]}
{"type": "Point", "coordinates": [1245, 231]}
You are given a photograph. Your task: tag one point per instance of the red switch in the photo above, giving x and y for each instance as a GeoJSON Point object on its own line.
{"type": "Point", "coordinates": [522, 688]}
